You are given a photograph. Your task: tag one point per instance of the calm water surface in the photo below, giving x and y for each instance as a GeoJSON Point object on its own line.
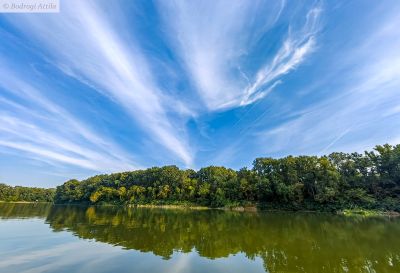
{"type": "Point", "coordinates": [45, 238]}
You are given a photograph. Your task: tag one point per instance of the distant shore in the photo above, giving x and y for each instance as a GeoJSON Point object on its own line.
{"type": "Point", "coordinates": [368, 213]}
{"type": "Point", "coordinates": [345, 183]}
{"type": "Point", "coordinates": [26, 202]}
{"type": "Point", "coordinates": [345, 212]}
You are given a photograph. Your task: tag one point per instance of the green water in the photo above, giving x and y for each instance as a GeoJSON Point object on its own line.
{"type": "Point", "coordinates": [46, 238]}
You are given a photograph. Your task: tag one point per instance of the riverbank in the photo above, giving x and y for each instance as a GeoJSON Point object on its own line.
{"type": "Point", "coordinates": [368, 213]}
{"type": "Point", "coordinates": [197, 207]}
{"type": "Point", "coordinates": [26, 202]}
{"type": "Point", "coordinates": [183, 206]}
{"type": "Point", "coordinates": [357, 212]}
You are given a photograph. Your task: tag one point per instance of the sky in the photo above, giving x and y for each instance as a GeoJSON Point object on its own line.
{"type": "Point", "coordinates": [109, 86]}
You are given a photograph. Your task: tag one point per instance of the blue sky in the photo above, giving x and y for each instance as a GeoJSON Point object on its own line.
{"type": "Point", "coordinates": [107, 86]}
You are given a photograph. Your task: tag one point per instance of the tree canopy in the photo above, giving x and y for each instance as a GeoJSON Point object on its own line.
{"type": "Point", "coordinates": [340, 180]}
{"type": "Point", "coordinates": [28, 194]}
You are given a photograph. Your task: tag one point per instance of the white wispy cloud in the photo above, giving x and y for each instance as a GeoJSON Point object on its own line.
{"type": "Point", "coordinates": [294, 50]}
{"type": "Point", "coordinates": [45, 131]}
{"type": "Point", "coordinates": [214, 41]}
{"type": "Point", "coordinates": [356, 115]}
{"type": "Point", "coordinates": [352, 105]}
{"type": "Point", "coordinates": [83, 42]}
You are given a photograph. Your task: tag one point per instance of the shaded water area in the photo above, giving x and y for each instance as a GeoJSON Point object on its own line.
{"type": "Point", "coordinates": [47, 238]}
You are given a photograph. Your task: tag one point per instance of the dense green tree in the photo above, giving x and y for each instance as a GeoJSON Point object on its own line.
{"type": "Point", "coordinates": [70, 191]}
{"type": "Point", "coordinates": [340, 180]}
{"type": "Point", "coordinates": [214, 183]}
{"type": "Point", "coordinates": [27, 194]}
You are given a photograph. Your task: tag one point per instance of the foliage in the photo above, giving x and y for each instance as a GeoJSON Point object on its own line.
{"type": "Point", "coordinates": [361, 212]}
{"type": "Point", "coordinates": [335, 182]}
{"type": "Point", "coordinates": [26, 194]}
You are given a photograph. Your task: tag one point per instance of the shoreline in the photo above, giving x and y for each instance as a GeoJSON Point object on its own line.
{"type": "Point", "coordinates": [26, 202]}
{"type": "Point", "coordinates": [368, 213]}
{"type": "Point", "coordinates": [356, 212]}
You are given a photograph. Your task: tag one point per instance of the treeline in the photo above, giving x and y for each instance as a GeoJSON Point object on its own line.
{"type": "Point", "coordinates": [337, 181]}
{"type": "Point", "coordinates": [27, 194]}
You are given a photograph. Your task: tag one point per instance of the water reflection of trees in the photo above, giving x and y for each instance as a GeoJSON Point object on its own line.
{"type": "Point", "coordinates": [24, 210]}
{"type": "Point", "coordinates": [286, 242]}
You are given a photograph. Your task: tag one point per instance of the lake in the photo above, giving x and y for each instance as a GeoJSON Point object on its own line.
{"type": "Point", "coordinates": [47, 238]}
